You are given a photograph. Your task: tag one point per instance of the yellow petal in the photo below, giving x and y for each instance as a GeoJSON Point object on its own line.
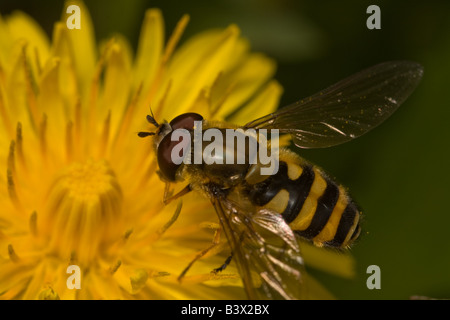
{"type": "Point", "coordinates": [208, 55]}
{"type": "Point", "coordinates": [116, 90]}
{"type": "Point", "coordinates": [6, 43]}
{"type": "Point", "coordinates": [19, 88]}
{"type": "Point", "coordinates": [315, 290]}
{"type": "Point", "coordinates": [338, 263]}
{"type": "Point", "coordinates": [13, 277]}
{"type": "Point", "coordinates": [22, 26]}
{"type": "Point", "coordinates": [104, 287]}
{"type": "Point", "coordinates": [150, 48]}
{"type": "Point", "coordinates": [264, 103]}
{"type": "Point", "coordinates": [6, 125]}
{"type": "Point", "coordinates": [50, 101]}
{"type": "Point", "coordinates": [245, 79]}
{"type": "Point", "coordinates": [83, 43]}
{"type": "Point", "coordinates": [61, 48]}
{"type": "Point", "coordinates": [35, 285]}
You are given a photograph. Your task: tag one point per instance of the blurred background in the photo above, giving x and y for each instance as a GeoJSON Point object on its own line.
{"type": "Point", "coordinates": [399, 173]}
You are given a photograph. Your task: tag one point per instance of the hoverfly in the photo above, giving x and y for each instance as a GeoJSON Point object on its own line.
{"type": "Point", "coordinates": [264, 215]}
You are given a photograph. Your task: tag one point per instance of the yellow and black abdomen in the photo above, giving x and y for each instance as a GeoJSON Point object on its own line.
{"type": "Point", "coordinates": [313, 205]}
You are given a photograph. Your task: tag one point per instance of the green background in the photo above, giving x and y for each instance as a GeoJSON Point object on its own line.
{"type": "Point", "coordinates": [398, 173]}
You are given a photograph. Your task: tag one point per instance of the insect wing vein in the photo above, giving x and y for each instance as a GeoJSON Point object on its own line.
{"type": "Point", "coordinates": [265, 249]}
{"type": "Point", "coordinates": [347, 109]}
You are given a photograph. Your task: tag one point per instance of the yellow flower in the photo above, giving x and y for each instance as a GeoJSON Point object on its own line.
{"type": "Point", "coordinates": [78, 187]}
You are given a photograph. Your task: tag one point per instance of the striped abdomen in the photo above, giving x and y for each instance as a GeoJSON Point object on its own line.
{"type": "Point", "coordinates": [313, 205]}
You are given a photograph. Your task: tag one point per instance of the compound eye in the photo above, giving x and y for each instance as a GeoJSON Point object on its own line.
{"type": "Point", "coordinates": [185, 121]}
{"type": "Point", "coordinates": [165, 162]}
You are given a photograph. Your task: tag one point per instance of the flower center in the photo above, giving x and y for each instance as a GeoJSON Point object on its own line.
{"type": "Point", "coordinates": [87, 182]}
{"type": "Point", "coordinates": [83, 204]}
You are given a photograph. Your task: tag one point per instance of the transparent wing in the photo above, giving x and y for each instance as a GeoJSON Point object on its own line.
{"type": "Point", "coordinates": [347, 109]}
{"type": "Point", "coordinates": [265, 250]}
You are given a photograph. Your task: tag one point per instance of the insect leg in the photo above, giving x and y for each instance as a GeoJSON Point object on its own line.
{"type": "Point", "coordinates": [172, 220]}
{"type": "Point", "coordinates": [216, 241]}
{"type": "Point", "coordinates": [168, 197]}
{"type": "Point", "coordinates": [224, 265]}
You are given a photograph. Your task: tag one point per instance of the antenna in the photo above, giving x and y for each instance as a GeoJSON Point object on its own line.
{"type": "Point", "coordinates": [144, 134]}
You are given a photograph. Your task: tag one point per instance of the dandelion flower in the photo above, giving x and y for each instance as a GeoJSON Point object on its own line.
{"type": "Point", "coordinates": [78, 187]}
